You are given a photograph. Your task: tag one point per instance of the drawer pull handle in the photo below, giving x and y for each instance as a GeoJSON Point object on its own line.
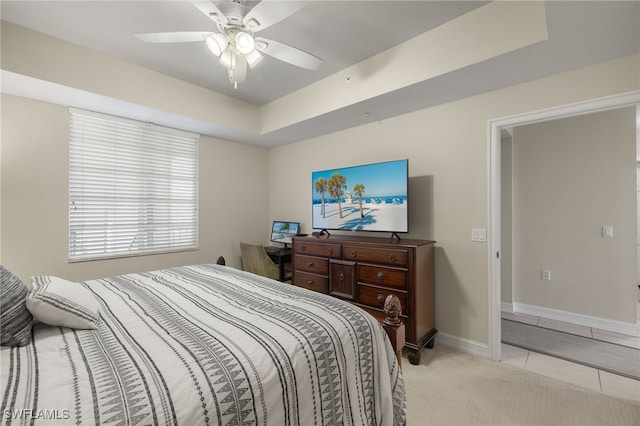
{"type": "Point", "coordinates": [330, 252]}
{"type": "Point", "coordinates": [310, 282]}
{"type": "Point", "coordinates": [392, 258]}
{"type": "Point", "coordinates": [341, 276]}
{"type": "Point", "coordinates": [303, 248]}
{"type": "Point", "coordinates": [380, 298]}
{"type": "Point", "coordinates": [309, 264]}
{"type": "Point", "coordinates": [353, 254]}
{"type": "Point", "coordinates": [380, 276]}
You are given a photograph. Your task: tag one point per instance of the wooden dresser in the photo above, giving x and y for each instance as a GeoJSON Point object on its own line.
{"type": "Point", "coordinates": [365, 270]}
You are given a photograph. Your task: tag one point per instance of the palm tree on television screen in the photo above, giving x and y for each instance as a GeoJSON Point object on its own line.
{"type": "Point", "coordinates": [358, 191]}
{"type": "Point", "coordinates": [337, 185]}
{"type": "Point", "coordinates": [285, 228]}
{"type": "Point", "coordinates": [321, 188]}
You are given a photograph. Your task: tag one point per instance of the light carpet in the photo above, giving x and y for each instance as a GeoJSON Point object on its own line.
{"type": "Point", "coordinates": [449, 387]}
{"type": "Point", "coordinates": [611, 357]}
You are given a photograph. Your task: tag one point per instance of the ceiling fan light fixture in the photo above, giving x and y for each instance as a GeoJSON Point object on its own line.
{"type": "Point", "coordinates": [234, 41]}
{"type": "Point", "coordinates": [245, 43]}
{"type": "Point", "coordinates": [253, 58]}
{"type": "Point", "coordinates": [216, 43]}
{"type": "Point", "coordinates": [228, 59]}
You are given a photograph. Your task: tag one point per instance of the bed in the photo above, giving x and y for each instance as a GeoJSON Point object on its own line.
{"type": "Point", "coordinates": [199, 344]}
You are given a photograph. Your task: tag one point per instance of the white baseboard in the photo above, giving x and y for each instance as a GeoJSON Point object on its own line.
{"type": "Point", "coordinates": [480, 349]}
{"type": "Point", "coordinates": [507, 307]}
{"type": "Point", "coordinates": [630, 329]}
{"type": "Point", "coordinates": [463, 345]}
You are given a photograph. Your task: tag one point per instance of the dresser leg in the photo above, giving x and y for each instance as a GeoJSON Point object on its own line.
{"type": "Point", "coordinates": [414, 356]}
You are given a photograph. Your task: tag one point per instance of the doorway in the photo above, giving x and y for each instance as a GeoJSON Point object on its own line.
{"type": "Point", "coordinates": [496, 129]}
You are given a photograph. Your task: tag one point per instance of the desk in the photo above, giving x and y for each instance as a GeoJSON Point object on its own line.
{"type": "Point", "coordinates": [280, 256]}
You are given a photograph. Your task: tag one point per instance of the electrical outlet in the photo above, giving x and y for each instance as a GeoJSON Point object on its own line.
{"type": "Point", "coordinates": [546, 274]}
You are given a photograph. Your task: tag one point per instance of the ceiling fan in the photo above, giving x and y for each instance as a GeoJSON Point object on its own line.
{"type": "Point", "coordinates": [235, 42]}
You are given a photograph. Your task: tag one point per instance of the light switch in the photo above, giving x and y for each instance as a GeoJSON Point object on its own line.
{"type": "Point", "coordinates": [479, 235]}
{"type": "Point", "coordinates": [607, 232]}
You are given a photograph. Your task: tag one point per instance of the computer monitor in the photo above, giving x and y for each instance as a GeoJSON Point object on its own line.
{"type": "Point", "coordinates": [281, 231]}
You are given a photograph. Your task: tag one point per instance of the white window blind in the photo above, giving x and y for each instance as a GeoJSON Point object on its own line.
{"type": "Point", "coordinates": [133, 187]}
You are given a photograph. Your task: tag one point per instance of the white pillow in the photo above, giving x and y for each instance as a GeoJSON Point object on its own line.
{"type": "Point", "coordinates": [56, 301]}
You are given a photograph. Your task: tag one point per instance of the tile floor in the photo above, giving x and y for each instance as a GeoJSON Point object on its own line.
{"type": "Point", "coordinates": [577, 374]}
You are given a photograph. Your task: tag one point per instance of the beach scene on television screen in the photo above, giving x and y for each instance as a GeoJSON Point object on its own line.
{"type": "Point", "coordinates": [283, 231]}
{"type": "Point", "coordinates": [362, 198]}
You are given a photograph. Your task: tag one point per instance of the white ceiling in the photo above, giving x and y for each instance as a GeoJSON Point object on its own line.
{"type": "Point", "coordinates": [342, 33]}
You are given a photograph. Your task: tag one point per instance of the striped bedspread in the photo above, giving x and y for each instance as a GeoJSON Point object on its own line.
{"type": "Point", "coordinates": [206, 344]}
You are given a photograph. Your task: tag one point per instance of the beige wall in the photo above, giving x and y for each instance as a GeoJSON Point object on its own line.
{"type": "Point", "coordinates": [571, 177]}
{"type": "Point", "coordinates": [447, 148]}
{"type": "Point", "coordinates": [34, 193]}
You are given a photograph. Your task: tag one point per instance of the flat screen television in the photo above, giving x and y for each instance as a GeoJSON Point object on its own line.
{"type": "Point", "coordinates": [281, 231]}
{"type": "Point", "coordinates": [369, 197]}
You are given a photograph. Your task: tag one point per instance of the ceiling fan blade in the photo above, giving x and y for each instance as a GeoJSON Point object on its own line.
{"type": "Point", "coordinates": [287, 53]}
{"type": "Point", "coordinates": [267, 13]}
{"type": "Point", "coordinates": [173, 37]}
{"type": "Point", "coordinates": [210, 10]}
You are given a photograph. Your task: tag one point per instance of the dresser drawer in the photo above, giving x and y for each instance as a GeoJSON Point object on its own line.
{"type": "Point", "coordinates": [342, 279]}
{"type": "Point", "coordinates": [393, 257]}
{"type": "Point", "coordinates": [381, 276]}
{"type": "Point", "coordinates": [333, 251]}
{"type": "Point", "coordinates": [316, 265]}
{"type": "Point", "coordinates": [375, 296]}
{"type": "Point", "coordinates": [312, 282]}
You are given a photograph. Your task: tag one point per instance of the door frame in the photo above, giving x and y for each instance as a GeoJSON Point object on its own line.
{"type": "Point", "coordinates": [494, 130]}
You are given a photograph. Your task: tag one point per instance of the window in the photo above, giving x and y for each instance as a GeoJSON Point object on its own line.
{"type": "Point", "coordinates": [133, 187]}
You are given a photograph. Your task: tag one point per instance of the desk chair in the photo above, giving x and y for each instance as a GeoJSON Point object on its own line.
{"type": "Point", "coordinates": [256, 260]}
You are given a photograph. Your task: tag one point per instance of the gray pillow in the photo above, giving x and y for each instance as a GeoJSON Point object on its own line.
{"type": "Point", "coordinates": [15, 319]}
